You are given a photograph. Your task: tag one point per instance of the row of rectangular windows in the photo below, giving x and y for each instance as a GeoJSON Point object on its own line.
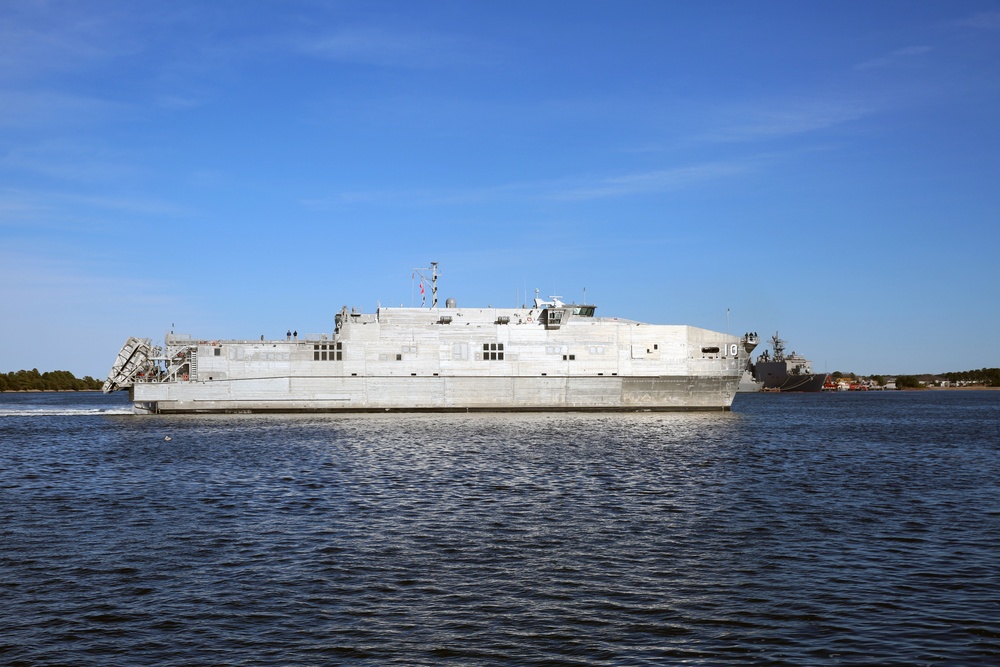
{"type": "Point", "coordinates": [492, 351]}
{"type": "Point", "coordinates": [332, 352]}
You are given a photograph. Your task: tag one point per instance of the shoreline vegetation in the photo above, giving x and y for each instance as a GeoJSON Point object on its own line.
{"type": "Point", "coordinates": [984, 378]}
{"type": "Point", "coordinates": [50, 381]}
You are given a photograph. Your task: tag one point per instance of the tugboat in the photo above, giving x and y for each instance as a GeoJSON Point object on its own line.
{"type": "Point", "coordinates": [786, 372]}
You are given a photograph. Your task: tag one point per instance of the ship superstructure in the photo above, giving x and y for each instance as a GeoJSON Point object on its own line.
{"type": "Point", "coordinates": [549, 356]}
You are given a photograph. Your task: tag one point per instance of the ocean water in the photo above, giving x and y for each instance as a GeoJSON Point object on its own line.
{"type": "Point", "coordinates": [826, 529]}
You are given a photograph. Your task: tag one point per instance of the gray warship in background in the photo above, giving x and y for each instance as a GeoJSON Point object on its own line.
{"type": "Point", "coordinates": [785, 372]}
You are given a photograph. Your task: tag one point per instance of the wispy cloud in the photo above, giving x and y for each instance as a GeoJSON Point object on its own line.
{"type": "Point", "coordinates": [646, 182]}
{"type": "Point", "coordinates": [131, 205]}
{"type": "Point", "coordinates": [894, 57]}
{"type": "Point", "coordinates": [577, 188]}
{"type": "Point", "coordinates": [389, 47]}
{"type": "Point", "coordinates": [21, 109]}
{"type": "Point", "coordinates": [68, 160]}
{"type": "Point", "coordinates": [16, 206]}
{"type": "Point", "coordinates": [982, 21]}
{"type": "Point", "coordinates": [39, 209]}
{"type": "Point", "coordinates": [39, 37]}
{"type": "Point", "coordinates": [176, 102]}
{"type": "Point", "coordinates": [778, 120]}
{"type": "Point", "coordinates": [414, 197]}
{"type": "Point", "coordinates": [26, 50]}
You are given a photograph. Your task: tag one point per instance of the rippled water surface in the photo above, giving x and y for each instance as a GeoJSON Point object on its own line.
{"type": "Point", "coordinates": [796, 530]}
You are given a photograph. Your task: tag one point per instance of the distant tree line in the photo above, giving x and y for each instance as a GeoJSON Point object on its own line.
{"type": "Point", "coordinates": [50, 381]}
{"type": "Point", "coordinates": [988, 377]}
{"type": "Point", "coordinates": [984, 377]}
{"type": "Point", "coordinates": [908, 382]}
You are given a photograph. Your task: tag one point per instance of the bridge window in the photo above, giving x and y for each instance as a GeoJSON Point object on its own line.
{"type": "Point", "coordinates": [331, 352]}
{"type": "Point", "coordinates": [492, 351]}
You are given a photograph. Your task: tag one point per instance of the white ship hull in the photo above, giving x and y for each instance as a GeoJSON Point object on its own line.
{"type": "Point", "coordinates": [553, 357]}
{"type": "Point", "coordinates": [454, 394]}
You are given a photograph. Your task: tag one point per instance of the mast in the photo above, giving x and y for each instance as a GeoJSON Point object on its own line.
{"type": "Point", "coordinates": [779, 347]}
{"type": "Point", "coordinates": [434, 282]}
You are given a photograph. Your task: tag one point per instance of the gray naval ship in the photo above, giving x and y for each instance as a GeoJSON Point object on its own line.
{"type": "Point", "coordinates": [786, 372]}
{"type": "Point", "coordinates": [551, 356]}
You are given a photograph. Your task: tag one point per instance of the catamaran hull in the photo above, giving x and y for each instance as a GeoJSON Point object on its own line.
{"type": "Point", "coordinates": [438, 394]}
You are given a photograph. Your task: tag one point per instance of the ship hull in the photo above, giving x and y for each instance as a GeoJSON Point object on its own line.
{"type": "Point", "coordinates": [775, 377]}
{"type": "Point", "coordinates": [438, 394]}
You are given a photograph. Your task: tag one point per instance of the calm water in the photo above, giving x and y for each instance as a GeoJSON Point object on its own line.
{"type": "Point", "coordinates": [840, 529]}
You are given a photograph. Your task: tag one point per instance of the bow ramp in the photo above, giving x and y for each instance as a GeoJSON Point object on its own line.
{"type": "Point", "coordinates": [134, 358]}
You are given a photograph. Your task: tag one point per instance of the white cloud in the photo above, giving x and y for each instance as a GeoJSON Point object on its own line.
{"type": "Point", "coordinates": [179, 102]}
{"type": "Point", "coordinates": [982, 21]}
{"type": "Point", "coordinates": [67, 160]}
{"type": "Point", "coordinates": [44, 40]}
{"type": "Point", "coordinates": [386, 47]}
{"type": "Point", "coordinates": [40, 210]}
{"type": "Point", "coordinates": [895, 56]}
{"type": "Point", "coordinates": [575, 188]}
{"type": "Point", "coordinates": [647, 182]}
{"type": "Point", "coordinates": [17, 206]}
{"type": "Point", "coordinates": [26, 109]}
{"type": "Point", "coordinates": [792, 118]}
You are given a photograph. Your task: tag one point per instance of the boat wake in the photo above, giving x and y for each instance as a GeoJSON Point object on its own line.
{"type": "Point", "coordinates": [62, 412]}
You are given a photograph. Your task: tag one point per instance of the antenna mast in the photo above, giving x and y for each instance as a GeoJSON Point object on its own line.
{"type": "Point", "coordinates": [434, 278]}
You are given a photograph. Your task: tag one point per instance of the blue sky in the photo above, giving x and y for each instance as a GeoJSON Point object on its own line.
{"type": "Point", "coordinates": [827, 170]}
